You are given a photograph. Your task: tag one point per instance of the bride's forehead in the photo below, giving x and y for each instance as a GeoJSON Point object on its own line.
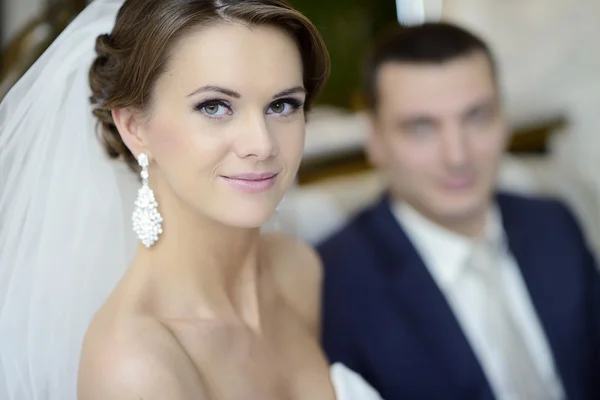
{"type": "Point", "coordinates": [231, 44]}
{"type": "Point", "coordinates": [235, 56]}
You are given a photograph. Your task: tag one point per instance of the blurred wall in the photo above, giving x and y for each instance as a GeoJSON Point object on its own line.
{"type": "Point", "coordinates": [16, 14]}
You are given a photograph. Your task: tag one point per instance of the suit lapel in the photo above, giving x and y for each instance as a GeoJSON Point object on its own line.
{"type": "Point", "coordinates": [535, 260]}
{"type": "Point", "coordinates": [417, 297]}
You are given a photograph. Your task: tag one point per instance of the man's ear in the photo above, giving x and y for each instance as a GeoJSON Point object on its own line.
{"type": "Point", "coordinates": [374, 146]}
{"type": "Point", "coordinates": [130, 126]}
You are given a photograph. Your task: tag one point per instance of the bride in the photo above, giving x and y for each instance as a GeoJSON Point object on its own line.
{"type": "Point", "coordinates": [206, 100]}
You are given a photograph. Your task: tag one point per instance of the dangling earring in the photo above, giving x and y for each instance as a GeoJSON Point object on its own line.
{"type": "Point", "coordinates": [146, 218]}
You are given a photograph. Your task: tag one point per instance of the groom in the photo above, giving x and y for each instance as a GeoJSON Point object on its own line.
{"type": "Point", "coordinates": [445, 289]}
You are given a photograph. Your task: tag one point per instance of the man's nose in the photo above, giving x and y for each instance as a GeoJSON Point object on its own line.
{"type": "Point", "coordinates": [455, 146]}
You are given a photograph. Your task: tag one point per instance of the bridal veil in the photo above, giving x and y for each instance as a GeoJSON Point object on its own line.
{"type": "Point", "coordinates": [63, 209]}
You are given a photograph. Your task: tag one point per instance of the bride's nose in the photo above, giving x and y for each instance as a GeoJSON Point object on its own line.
{"type": "Point", "coordinates": [255, 140]}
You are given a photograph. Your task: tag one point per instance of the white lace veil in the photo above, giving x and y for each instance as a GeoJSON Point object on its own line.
{"type": "Point", "coordinates": [65, 238]}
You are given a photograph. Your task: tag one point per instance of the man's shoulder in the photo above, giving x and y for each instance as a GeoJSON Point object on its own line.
{"type": "Point", "coordinates": [548, 219]}
{"type": "Point", "coordinates": [353, 233]}
{"type": "Point", "coordinates": [530, 202]}
{"type": "Point", "coordinates": [537, 211]}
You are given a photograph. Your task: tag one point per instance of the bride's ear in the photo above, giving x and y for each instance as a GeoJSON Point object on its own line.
{"type": "Point", "coordinates": [130, 126]}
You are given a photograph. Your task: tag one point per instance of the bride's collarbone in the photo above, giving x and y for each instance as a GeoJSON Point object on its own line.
{"type": "Point", "coordinates": [232, 361]}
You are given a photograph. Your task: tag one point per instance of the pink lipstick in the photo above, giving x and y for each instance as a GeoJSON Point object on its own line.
{"type": "Point", "coordinates": [252, 183]}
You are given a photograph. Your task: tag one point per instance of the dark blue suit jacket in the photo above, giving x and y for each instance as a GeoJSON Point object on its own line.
{"type": "Point", "coordinates": [384, 316]}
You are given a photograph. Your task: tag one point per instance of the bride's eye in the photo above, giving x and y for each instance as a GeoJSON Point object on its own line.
{"type": "Point", "coordinates": [214, 108]}
{"type": "Point", "coordinates": [284, 107]}
{"type": "Point", "coordinates": [278, 107]}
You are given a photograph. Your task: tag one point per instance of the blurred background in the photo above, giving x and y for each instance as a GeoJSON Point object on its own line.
{"type": "Point", "coordinates": [550, 74]}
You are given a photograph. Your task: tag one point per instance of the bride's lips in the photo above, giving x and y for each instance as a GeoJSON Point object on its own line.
{"type": "Point", "coordinates": [252, 183]}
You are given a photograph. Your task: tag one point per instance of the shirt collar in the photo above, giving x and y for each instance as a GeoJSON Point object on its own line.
{"type": "Point", "coordinates": [444, 252]}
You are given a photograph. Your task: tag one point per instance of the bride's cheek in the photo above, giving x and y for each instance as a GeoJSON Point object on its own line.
{"type": "Point", "coordinates": [167, 138]}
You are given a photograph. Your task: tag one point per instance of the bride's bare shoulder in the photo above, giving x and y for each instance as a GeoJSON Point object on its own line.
{"type": "Point", "coordinates": [299, 273]}
{"type": "Point", "coordinates": [134, 358]}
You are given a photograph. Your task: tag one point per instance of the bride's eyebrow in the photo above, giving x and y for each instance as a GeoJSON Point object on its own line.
{"type": "Point", "coordinates": [218, 89]}
{"type": "Point", "coordinates": [234, 94]}
{"type": "Point", "coordinates": [287, 92]}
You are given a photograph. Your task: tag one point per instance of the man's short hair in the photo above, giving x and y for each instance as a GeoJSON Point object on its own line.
{"type": "Point", "coordinates": [429, 43]}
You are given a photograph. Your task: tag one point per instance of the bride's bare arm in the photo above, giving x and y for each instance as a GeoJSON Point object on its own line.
{"type": "Point", "coordinates": [140, 362]}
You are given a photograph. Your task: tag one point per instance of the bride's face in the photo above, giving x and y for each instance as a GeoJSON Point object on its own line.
{"type": "Point", "coordinates": [226, 129]}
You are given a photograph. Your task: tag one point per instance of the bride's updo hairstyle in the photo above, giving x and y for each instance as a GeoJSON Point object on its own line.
{"type": "Point", "coordinates": [134, 55]}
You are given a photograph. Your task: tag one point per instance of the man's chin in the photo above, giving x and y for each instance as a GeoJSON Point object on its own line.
{"type": "Point", "coordinates": [462, 209]}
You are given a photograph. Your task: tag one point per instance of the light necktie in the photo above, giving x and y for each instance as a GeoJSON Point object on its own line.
{"type": "Point", "coordinates": [525, 381]}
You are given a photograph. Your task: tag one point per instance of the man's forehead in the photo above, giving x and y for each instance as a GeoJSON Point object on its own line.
{"type": "Point", "coordinates": [434, 85]}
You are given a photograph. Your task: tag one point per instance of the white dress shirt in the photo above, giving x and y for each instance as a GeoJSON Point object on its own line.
{"type": "Point", "coordinates": [445, 254]}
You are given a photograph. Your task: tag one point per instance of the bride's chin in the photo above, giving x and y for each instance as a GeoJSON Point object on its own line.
{"type": "Point", "coordinates": [251, 222]}
{"type": "Point", "coordinates": [247, 217]}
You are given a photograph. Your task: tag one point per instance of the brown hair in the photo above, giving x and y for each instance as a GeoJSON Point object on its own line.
{"type": "Point", "coordinates": [134, 55]}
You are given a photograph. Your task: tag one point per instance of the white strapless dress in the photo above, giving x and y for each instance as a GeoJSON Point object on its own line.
{"type": "Point", "coordinates": [351, 386]}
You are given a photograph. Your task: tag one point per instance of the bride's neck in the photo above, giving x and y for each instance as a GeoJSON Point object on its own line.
{"type": "Point", "coordinates": [202, 261]}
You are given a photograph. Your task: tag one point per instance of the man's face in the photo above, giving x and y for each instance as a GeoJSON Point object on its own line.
{"type": "Point", "coordinates": [439, 135]}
